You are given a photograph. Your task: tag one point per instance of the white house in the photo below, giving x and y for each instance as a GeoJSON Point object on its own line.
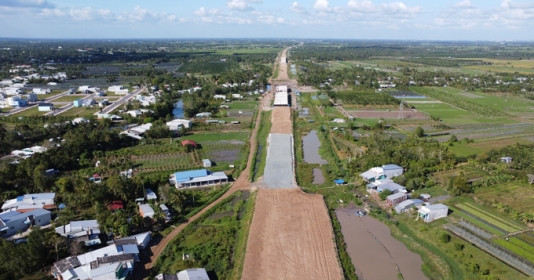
{"type": "Point", "coordinates": [197, 178]}
{"type": "Point", "coordinates": [146, 211]}
{"type": "Point", "coordinates": [237, 96]}
{"type": "Point", "coordinates": [12, 222]}
{"type": "Point", "coordinates": [193, 274]}
{"type": "Point", "coordinates": [118, 89]}
{"type": "Point", "coordinates": [339, 120]}
{"type": "Point", "coordinates": [41, 90]}
{"type": "Point", "coordinates": [45, 107]}
{"type": "Point", "coordinates": [220, 96]}
{"type": "Point", "coordinates": [29, 202]}
{"type": "Point", "coordinates": [407, 205]}
{"type": "Point", "coordinates": [12, 90]}
{"type": "Point", "coordinates": [176, 123]}
{"type": "Point", "coordinates": [385, 184]}
{"type": "Point", "coordinates": [433, 212]}
{"type": "Point", "coordinates": [86, 231]}
{"type": "Point", "coordinates": [385, 171]}
{"type": "Point", "coordinates": [115, 261]}
{"type": "Point", "coordinates": [150, 194]}
{"type": "Point", "coordinates": [206, 162]}
{"type": "Point", "coordinates": [203, 115]}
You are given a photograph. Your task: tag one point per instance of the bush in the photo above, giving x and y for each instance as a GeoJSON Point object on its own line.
{"type": "Point", "coordinates": [445, 238]}
{"type": "Point", "coordinates": [383, 195]}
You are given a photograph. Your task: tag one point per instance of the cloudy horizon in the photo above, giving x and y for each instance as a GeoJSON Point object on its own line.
{"type": "Point", "coordinates": [464, 20]}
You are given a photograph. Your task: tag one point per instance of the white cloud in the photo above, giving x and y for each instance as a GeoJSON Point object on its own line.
{"type": "Point", "coordinates": [81, 14]}
{"type": "Point", "coordinates": [201, 11]}
{"type": "Point", "coordinates": [321, 5]}
{"type": "Point", "coordinates": [464, 4]}
{"type": "Point", "coordinates": [27, 3]}
{"type": "Point", "coordinates": [241, 5]}
{"type": "Point", "coordinates": [52, 13]}
{"type": "Point", "coordinates": [297, 8]}
{"type": "Point", "coordinates": [361, 6]}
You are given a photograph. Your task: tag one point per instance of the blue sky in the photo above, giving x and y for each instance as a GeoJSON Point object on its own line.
{"type": "Point", "coordinates": [347, 19]}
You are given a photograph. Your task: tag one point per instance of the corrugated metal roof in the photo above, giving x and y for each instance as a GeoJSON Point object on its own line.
{"type": "Point", "coordinates": [184, 176]}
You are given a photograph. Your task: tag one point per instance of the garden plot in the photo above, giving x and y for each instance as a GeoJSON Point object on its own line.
{"type": "Point", "coordinates": [508, 240]}
{"type": "Point", "coordinates": [222, 153]}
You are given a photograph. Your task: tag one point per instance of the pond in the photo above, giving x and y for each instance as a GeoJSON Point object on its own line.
{"type": "Point", "coordinates": [374, 252]}
{"type": "Point", "coordinates": [178, 111]}
{"type": "Point", "coordinates": [310, 146]}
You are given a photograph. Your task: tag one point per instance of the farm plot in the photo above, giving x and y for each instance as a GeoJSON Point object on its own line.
{"type": "Point", "coordinates": [517, 195]}
{"type": "Point", "coordinates": [453, 97]}
{"type": "Point", "coordinates": [389, 114]}
{"type": "Point", "coordinates": [503, 238]}
{"type": "Point", "coordinates": [222, 153]}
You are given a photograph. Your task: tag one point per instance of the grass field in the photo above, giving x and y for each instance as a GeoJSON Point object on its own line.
{"type": "Point", "coordinates": [32, 112]}
{"type": "Point", "coordinates": [517, 195]}
{"type": "Point", "coordinates": [80, 112]}
{"type": "Point", "coordinates": [209, 136]}
{"type": "Point", "coordinates": [507, 66]}
{"type": "Point", "coordinates": [518, 246]}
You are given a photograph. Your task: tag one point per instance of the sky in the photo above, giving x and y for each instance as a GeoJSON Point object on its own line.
{"type": "Point", "coordinates": [472, 20]}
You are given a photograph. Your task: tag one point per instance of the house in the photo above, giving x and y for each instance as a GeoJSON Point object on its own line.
{"type": "Point", "coordinates": [88, 102]}
{"type": "Point", "coordinates": [29, 202]}
{"type": "Point", "coordinates": [193, 274]}
{"type": "Point", "coordinates": [433, 212]}
{"type": "Point", "coordinates": [177, 124]}
{"type": "Point", "coordinates": [165, 211]}
{"type": "Point", "coordinates": [206, 162]}
{"type": "Point", "coordinates": [45, 107]}
{"type": "Point", "coordinates": [86, 231]}
{"type": "Point", "coordinates": [96, 178]}
{"type": "Point", "coordinates": [385, 184]}
{"type": "Point", "coordinates": [396, 198]}
{"type": "Point", "coordinates": [150, 194]}
{"type": "Point", "coordinates": [189, 142]}
{"type": "Point", "coordinates": [137, 132]}
{"type": "Point", "coordinates": [408, 205]}
{"type": "Point", "coordinates": [79, 120]}
{"type": "Point", "coordinates": [188, 274]}
{"type": "Point", "coordinates": [237, 96]}
{"type": "Point", "coordinates": [103, 103]}
{"type": "Point", "coordinates": [118, 89]}
{"type": "Point", "coordinates": [77, 103]}
{"type": "Point", "coordinates": [41, 90]}
{"type": "Point", "coordinates": [203, 115]}
{"type": "Point", "coordinates": [13, 222]}
{"type": "Point", "coordinates": [506, 159]}
{"type": "Point", "coordinates": [339, 120]}
{"type": "Point", "coordinates": [115, 261]}
{"type": "Point", "coordinates": [197, 178]}
{"type": "Point", "coordinates": [220, 96]}
{"type": "Point", "coordinates": [146, 211]}
{"type": "Point", "coordinates": [146, 100]}
{"type": "Point", "coordinates": [385, 171]}
{"type": "Point", "coordinates": [115, 205]}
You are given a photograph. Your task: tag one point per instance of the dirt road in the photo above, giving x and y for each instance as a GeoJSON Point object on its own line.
{"type": "Point", "coordinates": [291, 234]}
{"type": "Point", "coordinates": [290, 238]}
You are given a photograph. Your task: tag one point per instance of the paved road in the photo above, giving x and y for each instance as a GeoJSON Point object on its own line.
{"type": "Point", "coordinates": [15, 111]}
{"type": "Point", "coordinates": [121, 101]}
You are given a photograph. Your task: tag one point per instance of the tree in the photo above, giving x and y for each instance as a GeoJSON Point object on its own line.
{"type": "Point", "coordinates": [419, 132]}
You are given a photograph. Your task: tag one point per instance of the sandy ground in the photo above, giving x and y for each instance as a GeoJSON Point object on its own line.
{"type": "Point", "coordinates": [406, 114]}
{"type": "Point", "coordinates": [290, 238]}
{"type": "Point", "coordinates": [374, 252]}
{"type": "Point", "coordinates": [281, 120]}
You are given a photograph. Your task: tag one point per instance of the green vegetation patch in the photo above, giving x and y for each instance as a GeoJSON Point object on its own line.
{"type": "Point", "coordinates": [518, 246]}
{"type": "Point", "coordinates": [216, 241]}
{"type": "Point", "coordinates": [517, 195]}
{"type": "Point", "coordinates": [490, 217]}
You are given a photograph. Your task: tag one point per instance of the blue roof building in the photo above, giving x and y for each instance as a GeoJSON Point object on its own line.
{"type": "Point", "coordinates": [197, 178]}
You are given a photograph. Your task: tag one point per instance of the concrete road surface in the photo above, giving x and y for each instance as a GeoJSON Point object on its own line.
{"type": "Point", "coordinates": [279, 171]}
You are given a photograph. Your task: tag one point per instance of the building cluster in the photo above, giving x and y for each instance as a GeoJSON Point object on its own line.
{"type": "Point", "coordinates": [379, 179]}
{"type": "Point", "coordinates": [16, 92]}
{"type": "Point", "coordinates": [197, 178]}
{"type": "Point", "coordinates": [115, 261]}
{"type": "Point", "coordinates": [21, 213]}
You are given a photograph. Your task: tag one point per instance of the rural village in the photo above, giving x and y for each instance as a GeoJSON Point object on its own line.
{"type": "Point", "coordinates": [273, 159]}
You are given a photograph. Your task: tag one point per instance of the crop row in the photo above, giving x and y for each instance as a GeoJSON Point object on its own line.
{"type": "Point", "coordinates": [463, 103]}
{"type": "Point", "coordinates": [489, 217]}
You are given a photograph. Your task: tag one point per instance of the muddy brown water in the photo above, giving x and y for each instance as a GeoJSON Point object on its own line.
{"type": "Point", "coordinates": [318, 177]}
{"type": "Point", "coordinates": [310, 146]}
{"type": "Point", "coordinates": [374, 252]}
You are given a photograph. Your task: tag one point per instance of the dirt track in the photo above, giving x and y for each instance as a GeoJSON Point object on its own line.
{"type": "Point", "coordinates": [290, 238]}
{"type": "Point", "coordinates": [281, 120]}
